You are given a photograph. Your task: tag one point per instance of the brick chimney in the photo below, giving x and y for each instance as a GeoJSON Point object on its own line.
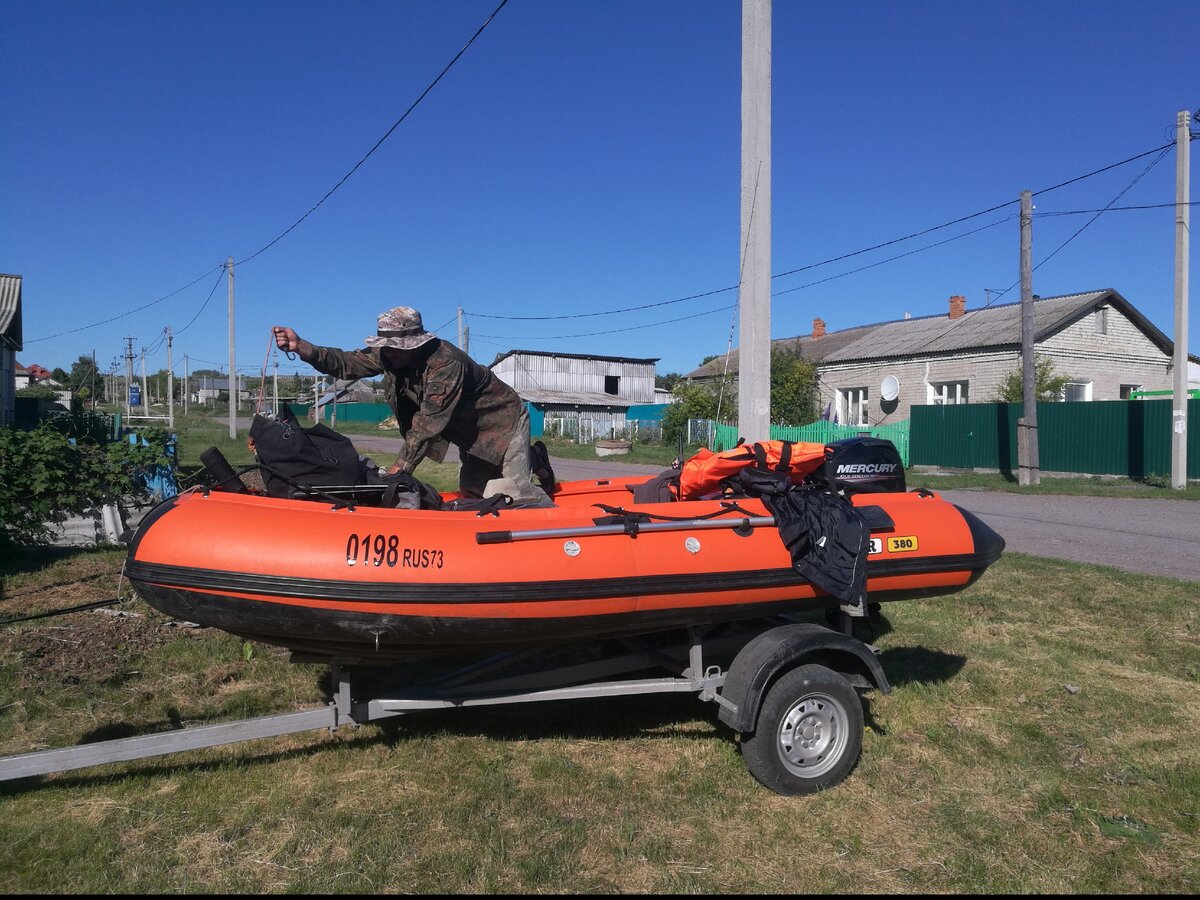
{"type": "Point", "coordinates": [818, 329]}
{"type": "Point", "coordinates": [958, 305]}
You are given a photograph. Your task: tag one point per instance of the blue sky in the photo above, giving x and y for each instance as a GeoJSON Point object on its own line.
{"type": "Point", "coordinates": [578, 158]}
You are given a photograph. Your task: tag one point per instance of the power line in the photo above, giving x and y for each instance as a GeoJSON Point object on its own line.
{"type": "Point", "coordinates": [894, 258]}
{"type": "Point", "coordinates": [510, 337]}
{"type": "Point", "coordinates": [124, 314]}
{"type": "Point", "coordinates": [1084, 212]}
{"type": "Point", "coordinates": [844, 256]}
{"type": "Point", "coordinates": [379, 143]}
{"type": "Point", "coordinates": [1120, 194]}
{"type": "Point", "coordinates": [216, 283]}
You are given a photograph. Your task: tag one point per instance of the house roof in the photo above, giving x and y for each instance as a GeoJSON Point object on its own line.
{"type": "Point", "coordinates": [576, 398]}
{"type": "Point", "coordinates": [991, 327]}
{"type": "Point", "coordinates": [10, 311]}
{"type": "Point", "coordinates": [620, 359]}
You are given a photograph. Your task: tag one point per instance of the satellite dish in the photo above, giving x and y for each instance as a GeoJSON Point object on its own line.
{"type": "Point", "coordinates": [889, 389]}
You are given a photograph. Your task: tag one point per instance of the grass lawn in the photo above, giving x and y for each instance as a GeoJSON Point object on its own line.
{"type": "Point", "coordinates": [1041, 738]}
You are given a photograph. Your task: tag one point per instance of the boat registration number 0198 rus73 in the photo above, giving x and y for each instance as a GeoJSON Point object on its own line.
{"type": "Point", "coordinates": [385, 550]}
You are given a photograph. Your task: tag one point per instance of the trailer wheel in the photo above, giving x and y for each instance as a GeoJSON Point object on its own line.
{"type": "Point", "coordinates": [809, 732]}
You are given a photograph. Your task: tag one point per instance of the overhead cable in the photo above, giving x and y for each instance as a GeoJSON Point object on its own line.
{"type": "Point", "coordinates": [379, 143]}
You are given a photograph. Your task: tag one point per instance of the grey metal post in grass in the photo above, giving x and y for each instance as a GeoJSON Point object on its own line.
{"type": "Point", "coordinates": [1183, 137]}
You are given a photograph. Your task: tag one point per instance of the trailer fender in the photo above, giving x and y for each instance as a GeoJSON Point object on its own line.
{"type": "Point", "coordinates": [762, 661]}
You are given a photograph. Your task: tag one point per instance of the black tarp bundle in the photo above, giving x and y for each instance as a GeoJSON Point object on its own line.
{"type": "Point", "coordinates": [827, 538]}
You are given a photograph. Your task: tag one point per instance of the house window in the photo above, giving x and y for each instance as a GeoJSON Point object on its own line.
{"type": "Point", "coordinates": [948, 393]}
{"type": "Point", "coordinates": [1128, 389]}
{"type": "Point", "coordinates": [611, 384]}
{"type": "Point", "coordinates": [1102, 320]}
{"type": "Point", "coordinates": [1077, 391]}
{"type": "Point", "coordinates": [852, 406]}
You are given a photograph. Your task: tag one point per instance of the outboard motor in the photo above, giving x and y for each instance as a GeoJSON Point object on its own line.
{"type": "Point", "coordinates": [863, 465]}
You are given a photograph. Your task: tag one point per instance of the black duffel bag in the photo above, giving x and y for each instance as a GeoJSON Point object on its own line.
{"type": "Point", "coordinates": [313, 457]}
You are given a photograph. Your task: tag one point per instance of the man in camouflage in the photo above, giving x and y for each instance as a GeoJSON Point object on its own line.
{"type": "Point", "coordinates": [439, 395]}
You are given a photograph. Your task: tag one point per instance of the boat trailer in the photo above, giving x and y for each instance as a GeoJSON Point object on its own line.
{"type": "Point", "coordinates": [789, 690]}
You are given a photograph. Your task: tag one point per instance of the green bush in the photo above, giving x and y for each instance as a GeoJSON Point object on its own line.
{"type": "Point", "coordinates": [46, 476]}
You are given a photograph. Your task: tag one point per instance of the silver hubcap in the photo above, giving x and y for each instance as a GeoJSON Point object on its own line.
{"type": "Point", "coordinates": [813, 735]}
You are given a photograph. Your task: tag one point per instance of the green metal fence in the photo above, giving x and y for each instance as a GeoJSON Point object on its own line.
{"type": "Point", "coordinates": [822, 432]}
{"type": "Point", "coordinates": [1109, 437]}
{"type": "Point", "coordinates": [373, 413]}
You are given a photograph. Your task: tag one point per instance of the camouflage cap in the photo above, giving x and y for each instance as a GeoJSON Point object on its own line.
{"type": "Point", "coordinates": [400, 328]}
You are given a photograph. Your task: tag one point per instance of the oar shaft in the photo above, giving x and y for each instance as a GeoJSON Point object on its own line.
{"type": "Point", "coordinates": [541, 534]}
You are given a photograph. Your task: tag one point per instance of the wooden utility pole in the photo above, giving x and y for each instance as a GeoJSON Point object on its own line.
{"type": "Point", "coordinates": [232, 363]}
{"type": "Point", "coordinates": [1028, 464]}
{"type": "Point", "coordinates": [754, 282]}
{"type": "Point", "coordinates": [1179, 404]}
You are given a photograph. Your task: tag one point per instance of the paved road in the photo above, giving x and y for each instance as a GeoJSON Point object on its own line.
{"type": "Point", "coordinates": [1154, 537]}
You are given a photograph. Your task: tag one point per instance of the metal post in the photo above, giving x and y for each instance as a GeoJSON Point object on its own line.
{"type": "Point", "coordinates": [1179, 402]}
{"type": "Point", "coordinates": [232, 364]}
{"type": "Point", "coordinates": [145, 387]}
{"type": "Point", "coordinates": [754, 283]}
{"type": "Point", "coordinates": [170, 384]}
{"type": "Point", "coordinates": [1028, 464]}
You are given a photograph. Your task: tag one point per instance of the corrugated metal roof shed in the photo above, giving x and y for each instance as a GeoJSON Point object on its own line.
{"type": "Point", "coordinates": [10, 311]}
{"type": "Point", "coordinates": [576, 398]}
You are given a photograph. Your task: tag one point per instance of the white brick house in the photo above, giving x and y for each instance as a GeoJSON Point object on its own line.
{"type": "Point", "coordinates": [11, 342]}
{"type": "Point", "coordinates": [1097, 339]}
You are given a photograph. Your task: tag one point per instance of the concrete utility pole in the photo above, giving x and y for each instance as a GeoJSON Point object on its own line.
{"type": "Point", "coordinates": [128, 376]}
{"type": "Point", "coordinates": [1179, 417]}
{"type": "Point", "coordinates": [185, 384]}
{"type": "Point", "coordinates": [1028, 463]}
{"type": "Point", "coordinates": [275, 403]}
{"type": "Point", "coordinates": [145, 387]}
{"type": "Point", "coordinates": [170, 384]}
{"type": "Point", "coordinates": [232, 364]}
{"type": "Point", "coordinates": [754, 282]}
{"type": "Point", "coordinates": [460, 330]}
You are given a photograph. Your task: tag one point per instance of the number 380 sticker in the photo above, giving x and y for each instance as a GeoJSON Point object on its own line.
{"type": "Point", "coordinates": [902, 544]}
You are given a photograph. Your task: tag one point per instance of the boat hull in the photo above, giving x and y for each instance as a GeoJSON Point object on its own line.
{"type": "Point", "coordinates": [378, 584]}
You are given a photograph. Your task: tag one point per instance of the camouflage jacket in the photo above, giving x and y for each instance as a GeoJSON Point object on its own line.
{"type": "Point", "coordinates": [449, 396]}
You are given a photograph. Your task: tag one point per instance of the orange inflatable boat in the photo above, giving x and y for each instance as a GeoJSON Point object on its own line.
{"type": "Point", "coordinates": [354, 581]}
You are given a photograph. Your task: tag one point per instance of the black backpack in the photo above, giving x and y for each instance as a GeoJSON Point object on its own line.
{"type": "Point", "coordinates": [314, 457]}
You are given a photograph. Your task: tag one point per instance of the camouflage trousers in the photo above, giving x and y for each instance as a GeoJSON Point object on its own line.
{"type": "Point", "coordinates": [514, 475]}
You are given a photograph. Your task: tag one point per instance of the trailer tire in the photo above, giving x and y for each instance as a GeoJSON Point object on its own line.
{"type": "Point", "coordinates": [809, 732]}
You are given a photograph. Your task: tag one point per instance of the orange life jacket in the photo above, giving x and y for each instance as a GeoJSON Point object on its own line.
{"type": "Point", "coordinates": [702, 475]}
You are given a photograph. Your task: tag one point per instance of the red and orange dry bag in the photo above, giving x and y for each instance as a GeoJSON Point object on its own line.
{"type": "Point", "coordinates": [704, 474]}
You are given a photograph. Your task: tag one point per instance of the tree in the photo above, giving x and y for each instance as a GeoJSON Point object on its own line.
{"type": "Point", "coordinates": [60, 375]}
{"type": "Point", "coordinates": [667, 382]}
{"type": "Point", "coordinates": [83, 376]}
{"type": "Point", "coordinates": [707, 360]}
{"type": "Point", "coordinates": [695, 401]}
{"type": "Point", "coordinates": [793, 388]}
{"type": "Point", "coordinates": [1047, 384]}
{"type": "Point", "coordinates": [39, 392]}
